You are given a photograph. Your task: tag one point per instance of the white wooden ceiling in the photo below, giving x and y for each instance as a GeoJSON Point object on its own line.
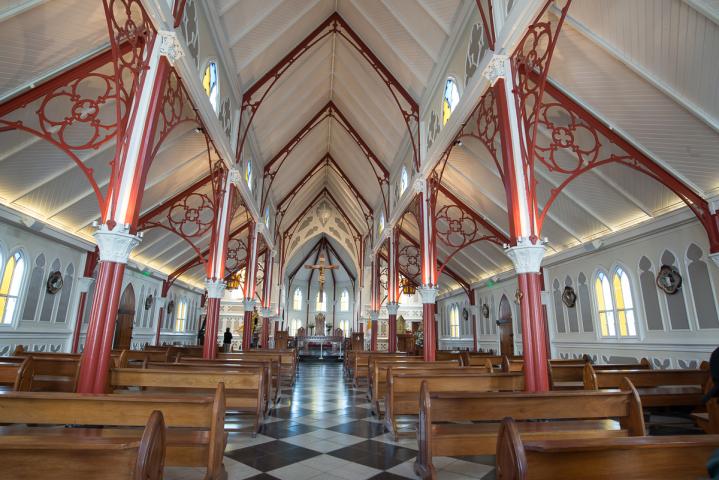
{"type": "Point", "coordinates": [648, 68]}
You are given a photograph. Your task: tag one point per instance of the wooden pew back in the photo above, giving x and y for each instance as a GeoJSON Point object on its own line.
{"type": "Point", "coordinates": [564, 374]}
{"type": "Point", "coordinates": [205, 413]}
{"type": "Point", "coordinates": [380, 367]}
{"type": "Point", "coordinates": [15, 373]}
{"type": "Point", "coordinates": [28, 456]}
{"type": "Point", "coordinates": [644, 458]}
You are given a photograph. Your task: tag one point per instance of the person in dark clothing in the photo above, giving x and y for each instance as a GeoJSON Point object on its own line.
{"type": "Point", "coordinates": [713, 463]}
{"type": "Point", "coordinates": [201, 333]}
{"type": "Point", "coordinates": [227, 341]}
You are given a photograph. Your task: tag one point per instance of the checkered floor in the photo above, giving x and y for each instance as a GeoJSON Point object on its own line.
{"type": "Point", "coordinates": [324, 429]}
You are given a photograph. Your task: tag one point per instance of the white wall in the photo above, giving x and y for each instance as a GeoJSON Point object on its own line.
{"type": "Point", "coordinates": [674, 331]}
{"type": "Point", "coordinates": [45, 322]}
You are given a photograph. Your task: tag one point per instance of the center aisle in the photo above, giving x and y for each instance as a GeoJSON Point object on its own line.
{"type": "Point", "coordinates": [323, 429]}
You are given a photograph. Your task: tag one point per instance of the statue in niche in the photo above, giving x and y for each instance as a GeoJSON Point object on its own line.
{"type": "Point", "coordinates": [401, 326]}
{"type": "Point", "coordinates": [320, 323]}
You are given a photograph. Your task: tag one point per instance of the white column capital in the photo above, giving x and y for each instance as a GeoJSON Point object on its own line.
{"type": "Point", "coordinates": [392, 308]}
{"type": "Point", "coordinates": [373, 316]}
{"type": "Point", "coordinates": [215, 288]}
{"type": "Point", "coordinates": [84, 283]}
{"type": "Point", "coordinates": [428, 294]}
{"type": "Point", "coordinates": [715, 258]}
{"type": "Point", "coordinates": [266, 312]}
{"type": "Point", "coordinates": [234, 176]}
{"type": "Point", "coordinates": [170, 46]}
{"type": "Point", "coordinates": [496, 68]}
{"type": "Point", "coordinates": [420, 185]}
{"type": "Point", "coordinates": [115, 245]}
{"type": "Point", "coordinates": [249, 304]}
{"type": "Point", "coordinates": [526, 256]}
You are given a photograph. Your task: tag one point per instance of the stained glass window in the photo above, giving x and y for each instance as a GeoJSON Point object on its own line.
{"type": "Point", "coordinates": [10, 286]}
{"type": "Point", "coordinates": [605, 307]}
{"type": "Point", "coordinates": [345, 301]}
{"type": "Point", "coordinates": [209, 83]}
{"type": "Point", "coordinates": [295, 325]}
{"type": "Point", "coordinates": [267, 217]}
{"type": "Point", "coordinates": [248, 174]}
{"type": "Point", "coordinates": [321, 302]}
{"type": "Point", "coordinates": [181, 317]}
{"type": "Point", "coordinates": [450, 99]}
{"type": "Point", "coordinates": [624, 304]}
{"type": "Point", "coordinates": [380, 226]}
{"type": "Point", "coordinates": [403, 180]}
{"type": "Point", "coordinates": [297, 300]}
{"type": "Point", "coordinates": [454, 321]}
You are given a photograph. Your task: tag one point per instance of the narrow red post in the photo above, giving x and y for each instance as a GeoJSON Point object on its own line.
{"type": "Point", "coordinates": [265, 339]}
{"type": "Point", "coordinates": [473, 317]}
{"type": "Point", "coordinates": [428, 250]}
{"type": "Point", "coordinates": [392, 324]}
{"type": "Point", "coordinates": [116, 237]}
{"type": "Point", "coordinates": [160, 317]}
{"type": "Point", "coordinates": [526, 251]}
{"type": "Point", "coordinates": [209, 350]}
{"type": "Point", "coordinates": [247, 325]}
{"type": "Point", "coordinates": [374, 318]}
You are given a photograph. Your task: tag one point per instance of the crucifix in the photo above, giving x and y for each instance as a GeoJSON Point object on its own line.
{"type": "Point", "coordinates": [322, 266]}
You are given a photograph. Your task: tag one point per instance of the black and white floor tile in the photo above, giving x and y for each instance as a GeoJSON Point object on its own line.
{"type": "Point", "coordinates": [323, 428]}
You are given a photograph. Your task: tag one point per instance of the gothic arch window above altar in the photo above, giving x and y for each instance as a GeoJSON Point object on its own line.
{"type": "Point", "coordinates": [321, 302]}
{"type": "Point", "coordinates": [297, 300]}
{"type": "Point", "coordinates": [345, 301]}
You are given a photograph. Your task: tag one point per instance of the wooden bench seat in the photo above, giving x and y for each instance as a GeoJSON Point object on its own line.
{"type": "Point", "coordinates": [403, 388]}
{"type": "Point", "coordinates": [657, 388]}
{"type": "Point", "coordinates": [33, 456]}
{"type": "Point", "coordinates": [14, 373]}
{"type": "Point", "coordinates": [639, 457]}
{"type": "Point", "coordinates": [271, 382]}
{"type": "Point", "coordinates": [286, 359]}
{"type": "Point", "coordinates": [244, 390]}
{"type": "Point", "coordinates": [195, 435]}
{"type": "Point", "coordinates": [361, 366]}
{"type": "Point", "coordinates": [565, 375]}
{"type": "Point", "coordinates": [378, 375]}
{"type": "Point", "coordinates": [551, 415]}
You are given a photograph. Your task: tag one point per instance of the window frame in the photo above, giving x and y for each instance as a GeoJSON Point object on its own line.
{"type": "Point", "coordinates": [5, 255]}
{"type": "Point", "coordinates": [403, 180]}
{"type": "Point", "coordinates": [454, 326]}
{"type": "Point", "coordinates": [452, 108]}
{"type": "Point", "coordinates": [344, 295]}
{"type": "Point", "coordinates": [216, 105]}
{"type": "Point", "coordinates": [181, 320]}
{"type": "Point", "coordinates": [294, 300]}
{"type": "Point", "coordinates": [616, 337]}
{"type": "Point", "coordinates": [323, 309]}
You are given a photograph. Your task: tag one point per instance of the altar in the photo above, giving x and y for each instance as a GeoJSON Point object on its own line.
{"type": "Point", "coordinates": [320, 346]}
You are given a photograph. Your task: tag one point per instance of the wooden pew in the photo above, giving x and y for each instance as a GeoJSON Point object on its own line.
{"type": "Point", "coordinates": [657, 388]}
{"type": "Point", "coordinates": [565, 375]}
{"type": "Point", "coordinates": [709, 420]}
{"type": "Point", "coordinates": [32, 456]}
{"type": "Point", "coordinates": [403, 388]}
{"type": "Point", "coordinates": [49, 374]}
{"type": "Point", "coordinates": [15, 373]}
{"type": "Point", "coordinates": [287, 359]}
{"type": "Point", "coordinates": [510, 365]}
{"type": "Point", "coordinates": [270, 381]}
{"type": "Point", "coordinates": [566, 414]}
{"type": "Point", "coordinates": [643, 458]}
{"type": "Point", "coordinates": [138, 358]}
{"type": "Point", "coordinates": [448, 355]}
{"type": "Point", "coordinates": [378, 376]}
{"type": "Point", "coordinates": [195, 434]}
{"type": "Point", "coordinates": [361, 367]}
{"type": "Point", "coordinates": [244, 390]}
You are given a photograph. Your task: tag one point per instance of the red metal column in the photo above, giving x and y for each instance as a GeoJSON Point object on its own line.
{"type": "Point", "coordinates": [527, 250]}
{"type": "Point", "coordinates": [473, 317]}
{"type": "Point", "coordinates": [160, 315]}
{"type": "Point", "coordinates": [392, 290]}
{"type": "Point", "coordinates": [392, 324]}
{"type": "Point", "coordinates": [209, 350]}
{"type": "Point", "coordinates": [115, 237]}
{"type": "Point", "coordinates": [373, 317]}
{"type": "Point", "coordinates": [265, 340]}
{"type": "Point", "coordinates": [428, 249]}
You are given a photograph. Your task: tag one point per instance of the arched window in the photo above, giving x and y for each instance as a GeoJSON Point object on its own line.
{"type": "Point", "coordinates": [624, 304]}
{"type": "Point", "coordinates": [10, 286]}
{"type": "Point", "coordinates": [454, 321]}
{"type": "Point", "coordinates": [297, 300]}
{"type": "Point", "coordinates": [345, 301]}
{"type": "Point", "coordinates": [321, 302]}
{"type": "Point", "coordinates": [294, 325]}
{"type": "Point", "coordinates": [615, 305]}
{"type": "Point", "coordinates": [248, 174]}
{"type": "Point", "coordinates": [450, 99]}
{"type": "Point", "coordinates": [209, 83]}
{"type": "Point", "coordinates": [403, 180]}
{"type": "Point", "coordinates": [181, 316]}
{"type": "Point", "coordinates": [267, 217]}
{"type": "Point", "coordinates": [380, 224]}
